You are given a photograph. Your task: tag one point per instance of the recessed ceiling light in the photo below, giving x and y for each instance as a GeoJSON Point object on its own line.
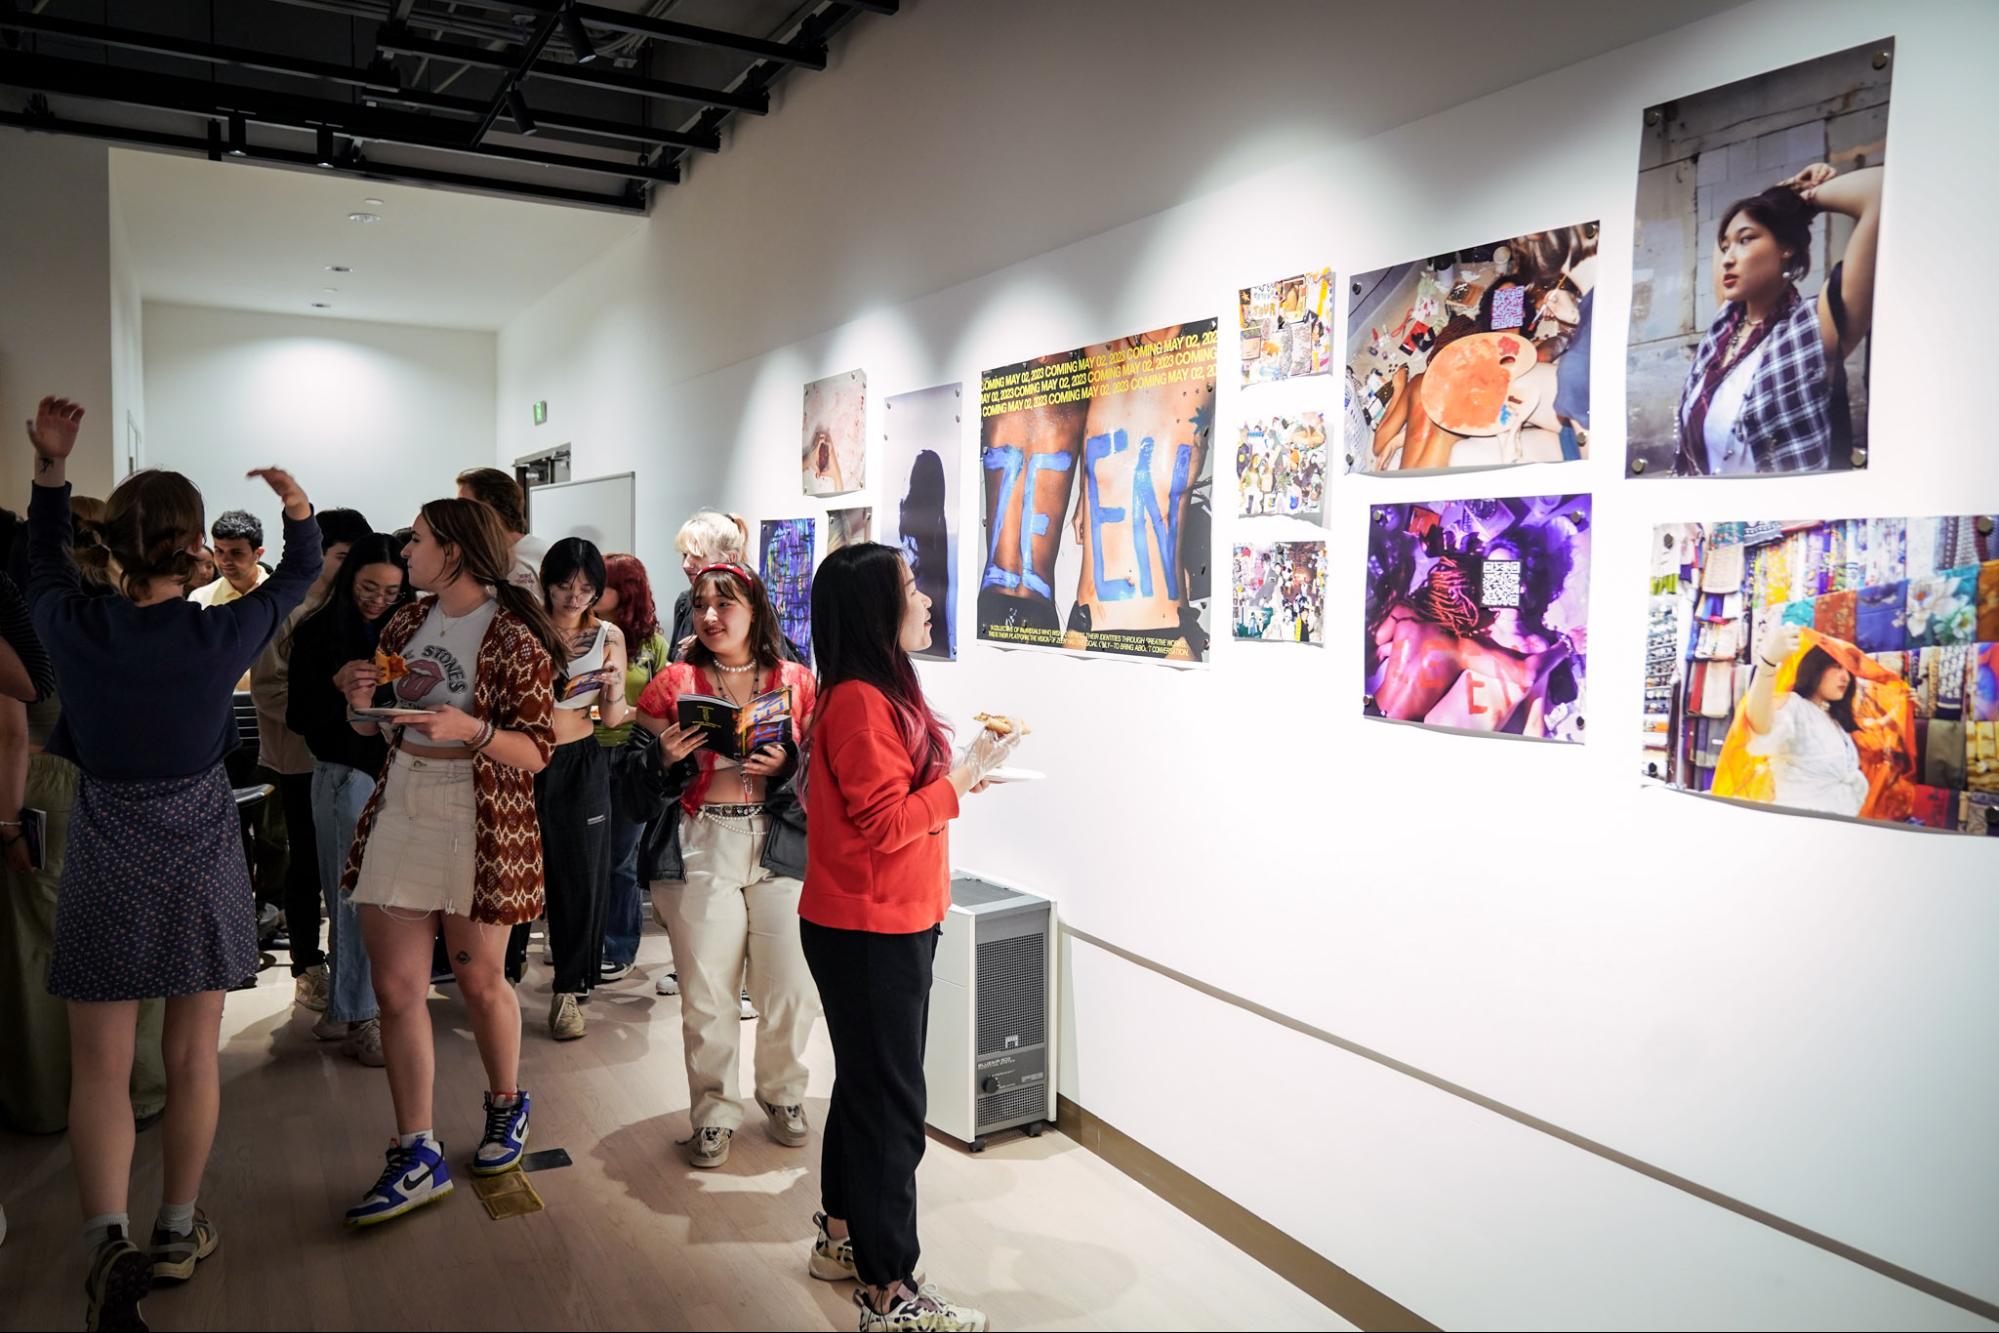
{"type": "Point", "coordinates": [338, 268]}
{"type": "Point", "coordinates": [364, 217]}
{"type": "Point", "coordinates": [322, 305]}
{"type": "Point", "coordinates": [371, 203]}
{"type": "Point", "coordinates": [330, 291]}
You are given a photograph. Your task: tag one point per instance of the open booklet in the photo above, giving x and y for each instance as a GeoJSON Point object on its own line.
{"type": "Point", "coordinates": [576, 688]}
{"type": "Point", "coordinates": [733, 732]}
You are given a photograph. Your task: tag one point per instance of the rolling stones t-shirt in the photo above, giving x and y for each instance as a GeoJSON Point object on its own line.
{"type": "Point", "coordinates": [443, 660]}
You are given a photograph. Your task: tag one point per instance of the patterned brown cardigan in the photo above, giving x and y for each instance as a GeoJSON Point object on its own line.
{"type": "Point", "coordinates": [512, 685]}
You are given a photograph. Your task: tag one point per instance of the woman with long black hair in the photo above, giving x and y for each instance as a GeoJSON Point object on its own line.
{"type": "Point", "coordinates": [372, 585]}
{"type": "Point", "coordinates": [882, 787]}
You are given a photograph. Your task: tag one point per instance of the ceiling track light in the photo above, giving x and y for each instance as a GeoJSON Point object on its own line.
{"type": "Point", "coordinates": [580, 44]}
{"type": "Point", "coordinates": [324, 154]}
{"type": "Point", "coordinates": [523, 121]}
{"type": "Point", "coordinates": [239, 135]}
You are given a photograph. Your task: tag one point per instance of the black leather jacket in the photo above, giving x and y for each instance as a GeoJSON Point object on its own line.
{"type": "Point", "coordinates": [643, 790]}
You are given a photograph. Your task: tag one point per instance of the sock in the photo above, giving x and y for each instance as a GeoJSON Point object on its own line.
{"type": "Point", "coordinates": [506, 1098]}
{"type": "Point", "coordinates": [177, 1218]}
{"type": "Point", "coordinates": [98, 1229]}
{"type": "Point", "coordinates": [419, 1136]}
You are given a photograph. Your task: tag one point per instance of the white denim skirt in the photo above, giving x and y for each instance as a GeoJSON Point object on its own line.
{"type": "Point", "coordinates": [422, 854]}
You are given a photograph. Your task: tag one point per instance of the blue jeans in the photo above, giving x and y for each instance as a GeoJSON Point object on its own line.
{"type": "Point", "coordinates": [339, 794]}
{"type": "Point", "coordinates": [622, 926]}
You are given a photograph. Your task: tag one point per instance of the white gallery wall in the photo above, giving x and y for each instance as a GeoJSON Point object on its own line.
{"type": "Point", "coordinates": [58, 310]}
{"type": "Point", "coordinates": [378, 417]}
{"type": "Point", "coordinates": [1793, 1013]}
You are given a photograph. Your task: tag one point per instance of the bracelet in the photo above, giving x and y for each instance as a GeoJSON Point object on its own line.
{"type": "Point", "coordinates": [485, 736]}
{"type": "Point", "coordinates": [10, 823]}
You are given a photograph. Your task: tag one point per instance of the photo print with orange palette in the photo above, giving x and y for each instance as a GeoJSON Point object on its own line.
{"type": "Point", "coordinates": [1474, 358]}
{"type": "Point", "coordinates": [1835, 667]}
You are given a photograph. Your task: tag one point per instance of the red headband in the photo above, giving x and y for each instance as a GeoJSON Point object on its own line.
{"type": "Point", "coordinates": [742, 572]}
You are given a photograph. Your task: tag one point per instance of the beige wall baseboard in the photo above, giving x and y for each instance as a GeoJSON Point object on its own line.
{"type": "Point", "coordinates": [1283, 1254]}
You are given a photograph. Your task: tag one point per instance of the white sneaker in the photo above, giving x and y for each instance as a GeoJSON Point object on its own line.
{"type": "Point", "coordinates": [364, 1043]}
{"type": "Point", "coordinates": [749, 1010]}
{"type": "Point", "coordinates": [787, 1124]}
{"type": "Point", "coordinates": [926, 1308]}
{"type": "Point", "coordinates": [565, 1018]}
{"type": "Point", "coordinates": [330, 1029]}
{"type": "Point", "coordinates": [709, 1147]}
{"type": "Point", "coordinates": [669, 983]}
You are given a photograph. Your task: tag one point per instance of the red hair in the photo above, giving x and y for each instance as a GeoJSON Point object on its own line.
{"type": "Point", "coordinates": [636, 617]}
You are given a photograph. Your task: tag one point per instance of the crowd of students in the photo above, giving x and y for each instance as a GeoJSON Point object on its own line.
{"type": "Point", "coordinates": [470, 731]}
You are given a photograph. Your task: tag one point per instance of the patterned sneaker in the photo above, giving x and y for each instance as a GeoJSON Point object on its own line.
{"type": "Point", "coordinates": [174, 1256]}
{"type": "Point", "coordinates": [506, 1136]}
{"type": "Point", "coordinates": [787, 1124]}
{"type": "Point", "coordinates": [927, 1308]}
{"type": "Point", "coordinates": [669, 983]}
{"type": "Point", "coordinates": [832, 1260]}
{"type": "Point", "coordinates": [311, 989]}
{"type": "Point", "coordinates": [565, 1018]}
{"type": "Point", "coordinates": [364, 1043]}
{"type": "Point", "coordinates": [415, 1176]}
{"type": "Point", "coordinates": [120, 1276]}
{"type": "Point", "coordinates": [709, 1147]}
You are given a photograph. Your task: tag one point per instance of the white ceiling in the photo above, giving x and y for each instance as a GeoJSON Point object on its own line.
{"type": "Point", "coordinates": [260, 238]}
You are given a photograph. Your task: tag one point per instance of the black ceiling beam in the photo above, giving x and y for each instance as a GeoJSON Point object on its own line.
{"type": "Point", "coordinates": [401, 43]}
{"type": "Point", "coordinates": [199, 97]}
{"type": "Point", "coordinates": [668, 30]}
{"type": "Point", "coordinates": [510, 84]}
{"type": "Point", "coordinates": [344, 75]}
{"type": "Point", "coordinates": [816, 30]}
{"type": "Point", "coordinates": [624, 202]}
{"type": "Point", "coordinates": [872, 6]}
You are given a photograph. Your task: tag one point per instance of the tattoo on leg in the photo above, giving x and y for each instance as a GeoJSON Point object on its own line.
{"type": "Point", "coordinates": [464, 957]}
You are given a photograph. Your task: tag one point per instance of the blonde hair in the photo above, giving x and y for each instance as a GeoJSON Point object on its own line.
{"type": "Point", "coordinates": [714, 535]}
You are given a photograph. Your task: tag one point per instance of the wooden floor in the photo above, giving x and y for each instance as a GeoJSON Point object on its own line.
{"type": "Point", "coordinates": [1039, 1233]}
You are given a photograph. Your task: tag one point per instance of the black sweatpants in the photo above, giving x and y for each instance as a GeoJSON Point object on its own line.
{"type": "Point", "coordinates": [875, 990]}
{"type": "Point", "coordinates": [302, 889]}
{"type": "Point", "coordinates": [573, 797]}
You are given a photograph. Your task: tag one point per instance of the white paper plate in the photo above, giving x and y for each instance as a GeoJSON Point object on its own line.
{"type": "Point", "coordinates": [1015, 775]}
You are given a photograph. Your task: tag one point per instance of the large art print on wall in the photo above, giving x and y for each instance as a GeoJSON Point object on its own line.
{"type": "Point", "coordinates": [1753, 274]}
{"type": "Point", "coordinates": [1287, 327]}
{"type": "Point", "coordinates": [1475, 358]}
{"type": "Point", "coordinates": [834, 456]}
{"type": "Point", "coordinates": [1477, 614]}
{"type": "Point", "coordinates": [1098, 504]}
{"type": "Point", "coordinates": [921, 452]}
{"type": "Point", "coordinates": [1837, 667]}
{"type": "Point", "coordinates": [784, 559]}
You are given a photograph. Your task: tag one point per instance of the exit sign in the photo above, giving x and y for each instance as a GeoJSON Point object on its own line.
{"type": "Point", "coordinates": [541, 413]}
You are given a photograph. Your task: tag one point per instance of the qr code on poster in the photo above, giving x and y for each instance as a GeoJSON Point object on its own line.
{"type": "Point", "coordinates": [1500, 584]}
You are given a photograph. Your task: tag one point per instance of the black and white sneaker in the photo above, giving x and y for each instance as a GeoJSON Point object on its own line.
{"type": "Point", "coordinates": [611, 973]}
{"type": "Point", "coordinates": [927, 1308]}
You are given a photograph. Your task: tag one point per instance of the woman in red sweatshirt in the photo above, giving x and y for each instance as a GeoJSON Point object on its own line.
{"type": "Point", "coordinates": [881, 787]}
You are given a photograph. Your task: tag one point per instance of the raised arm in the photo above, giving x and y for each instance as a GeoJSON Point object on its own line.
{"type": "Point", "coordinates": [259, 614]}
{"type": "Point", "coordinates": [51, 570]}
{"type": "Point", "coordinates": [1857, 195]}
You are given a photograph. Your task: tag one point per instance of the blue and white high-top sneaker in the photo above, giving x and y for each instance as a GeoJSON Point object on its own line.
{"type": "Point", "coordinates": [506, 1136]}
{"type": "Point", "coordinates": [415, 1176]}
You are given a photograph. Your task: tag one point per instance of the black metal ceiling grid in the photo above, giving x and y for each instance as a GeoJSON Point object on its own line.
{"type": "Point", "coordinates": [554, 99]}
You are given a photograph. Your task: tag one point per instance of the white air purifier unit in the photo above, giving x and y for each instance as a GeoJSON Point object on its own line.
{"type": "Point", "coordinates": [990, 1058]}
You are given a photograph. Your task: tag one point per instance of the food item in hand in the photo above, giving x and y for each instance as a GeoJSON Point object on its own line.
{"type": "Point", "coordinates": [391, 665]}
{"type": "Point", "coordinates": [1001, 725]}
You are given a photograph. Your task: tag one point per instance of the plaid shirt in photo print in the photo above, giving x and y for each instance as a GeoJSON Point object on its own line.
{"type": "Point", "coordinates": [1787, 416]}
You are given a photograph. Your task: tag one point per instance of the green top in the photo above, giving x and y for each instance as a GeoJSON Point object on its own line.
{"type": "Point", "coordinates": [641, 665]}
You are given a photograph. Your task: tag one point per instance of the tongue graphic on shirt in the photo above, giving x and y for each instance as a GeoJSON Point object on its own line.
{"type": "Point", "coordinates": [424, 676]}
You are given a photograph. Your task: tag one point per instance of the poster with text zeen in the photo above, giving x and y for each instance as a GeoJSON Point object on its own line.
{"type": "Point", "coordinates": [1477, 615]}
{"type": "Point", "coordinates": [1099, 497]}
